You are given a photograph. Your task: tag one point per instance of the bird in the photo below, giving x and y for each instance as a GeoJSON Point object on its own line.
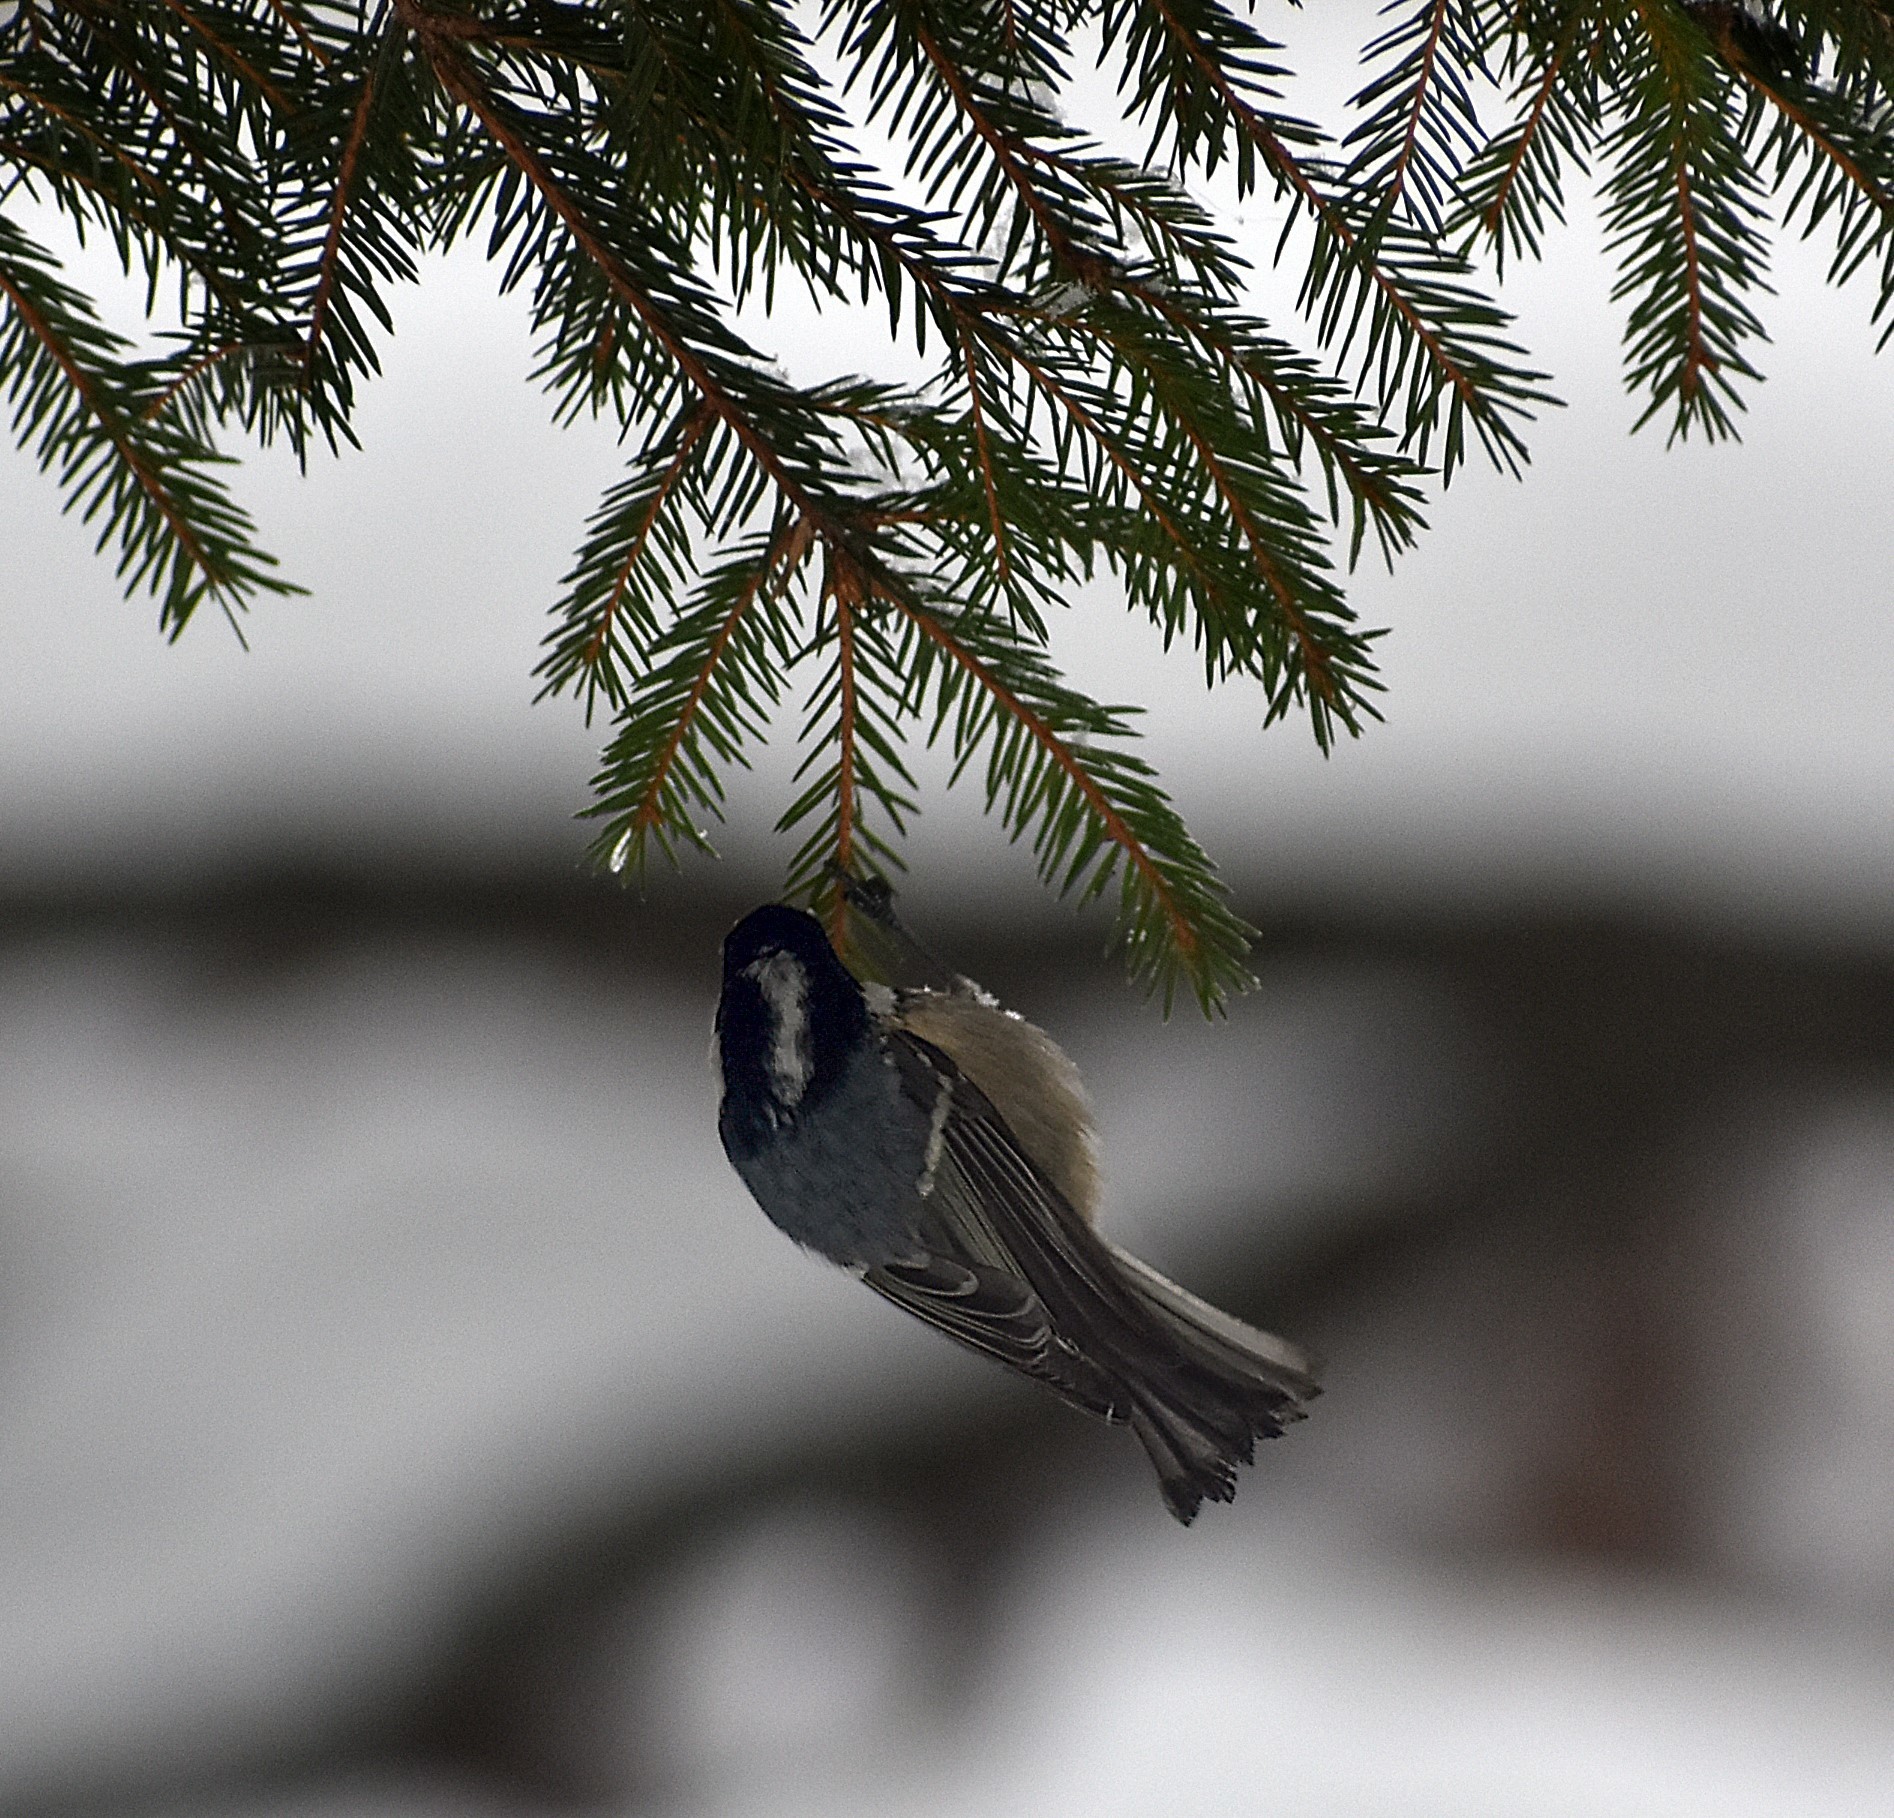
{"type": "Point", "coordinates": [941, 1148]}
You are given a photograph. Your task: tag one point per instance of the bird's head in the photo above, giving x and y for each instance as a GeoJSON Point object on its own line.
{"type": "Point", "coordinates": [790, 1017]}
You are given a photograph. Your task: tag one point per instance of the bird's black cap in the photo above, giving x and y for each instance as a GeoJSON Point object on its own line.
{"type": "Point", "coordinates": [817, 995]}
{"type": "Point", "coordinates": [777, 928]}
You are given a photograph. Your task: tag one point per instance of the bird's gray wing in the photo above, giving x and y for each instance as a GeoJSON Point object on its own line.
{"type": "Point", "coordinates": [988, 1202]}
{"type": "Point", "coordinates": [1067, 1260]}
{"type": "Point", "coordinates": [994, 1312]}
{"type": "Point", "coordinates": [1197, 1386]}
{"type": "Point", "coordinates": [970, 1283]}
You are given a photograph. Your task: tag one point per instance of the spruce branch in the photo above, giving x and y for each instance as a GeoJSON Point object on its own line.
{"type": "Point", "coordinates": [1273, 527]}
{"type": "Point", "coordinates": [710, 680]}
{"type": "Point", "coordinates": [328, 264]}
{"type": "Point", "coordinates": [1057, 772]}
{"type": "Point", "coordinates": [854, 762]}
{"type": "Point", "coordinates": [590, 647]}
{"type": "Point", "coordinates": [1683, 208]}
{"type": "Point", "coordinates": [1842, 167]}
{"type": "Point", "coordinates": [1433, 351]}
{"type": "Point", "coordinates": [1515, 185]}
{"type": "Point", "coordinates": [84, 411]}
{"type": "Point", "coordinates": [251, 78]}
{"type": "Point", "coordinates": [1420, 123]}
{"type": "Point", "coordinates": [1095, 393]}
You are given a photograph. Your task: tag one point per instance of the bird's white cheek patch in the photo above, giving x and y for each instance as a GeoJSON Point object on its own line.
{"type": "Point", "coordinates": [785, 989]}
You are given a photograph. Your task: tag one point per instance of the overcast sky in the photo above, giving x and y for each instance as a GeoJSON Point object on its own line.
{"type": "Point", "coordinates": [1639, 670]}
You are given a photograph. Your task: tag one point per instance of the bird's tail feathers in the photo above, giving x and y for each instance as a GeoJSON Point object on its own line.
{"type": "Point", "coordinates": [1191, 1463]}
{"type": "Point", "coordinates": [1231, 1385]}
{"type": "Point", "coordinates": [1220, 1341]}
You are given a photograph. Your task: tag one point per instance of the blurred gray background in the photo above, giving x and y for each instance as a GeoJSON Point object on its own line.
{"type": "Point", "coordinates": [403, 1411]}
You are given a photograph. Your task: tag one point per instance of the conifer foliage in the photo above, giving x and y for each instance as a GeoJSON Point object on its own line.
{"type": "Point", "coordinates": [882, 559]}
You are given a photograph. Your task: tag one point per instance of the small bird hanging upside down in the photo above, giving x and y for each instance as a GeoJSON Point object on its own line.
{"type": "Point", "coordinates": [941, 1148]}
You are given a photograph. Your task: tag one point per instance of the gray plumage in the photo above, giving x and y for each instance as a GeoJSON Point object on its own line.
{"type": "Point", "coordinates": [847, 1184]}
{"type": "Point", "coordinates": [865, 1130]}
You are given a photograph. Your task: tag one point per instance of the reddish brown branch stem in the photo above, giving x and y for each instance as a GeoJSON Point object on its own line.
{"type": "Point", "coordinates": [693, 432]}
{"type": "Point", "coordinates": [1063, 755]}
{"type": "Point", "coordinates": [1084, 419]}
{"type": "Point", "coordinates": [437, 35]}
{"type": "Point", "coordinates": [1405, 161]}
{"type": "Point", "coordinates": [148, 481]}
{"type": "Point", "coordinates": [338, 210]}
{"type": "Point", "coordinates": [91, 135]}
{"type": "Point", "coordinates": [985, 454]}
{"type": "Point", "coordinates": [650, 805]}
{"type": "Point", "coordinates": [242, 65]}
{"type": "Point", "coordinates": [288, 17]}
{"type": "Point", "coordinates": [1004, 155]}
{"type": "Point", "coordinates": [1291, 174]}
{"type": "Point", "coordinates": [788, 553]}
{"type": "Point", "coordinates": [1697, 360]}
{"type": "Point", "coordinates": [1315, 664]}
{"type": "Point", "coordinates": [1529, 127]}
{"type": "Point", "coordinates": [1821, 141]}
{"type": "Point", "coordinates": [196, 370]}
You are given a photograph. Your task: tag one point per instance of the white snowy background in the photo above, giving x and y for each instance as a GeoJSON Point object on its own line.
{"type": "Point", "coordinates": [328, 1290]}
